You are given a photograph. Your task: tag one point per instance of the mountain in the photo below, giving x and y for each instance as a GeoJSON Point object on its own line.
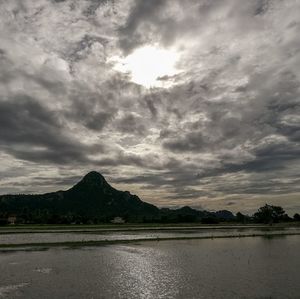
{"type": "Point", "coordinates": [184, 214]}
{"type": "Point", "coordinates": [90, 200]}
{"type": "Point", "coordinates": [93, 200]}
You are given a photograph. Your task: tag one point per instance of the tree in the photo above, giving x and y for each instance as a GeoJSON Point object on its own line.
{"type": "Point", "coordinates": [296, 217]}
{"type": "Point", "coordinates": [210, 220]}
{"type": "Point", "coordinates": [240, 217]}
{"type": "Point", "coordinates": [269, 214]}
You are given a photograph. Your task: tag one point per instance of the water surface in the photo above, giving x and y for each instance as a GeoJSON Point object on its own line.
{"type": "Point", "coordinates": [110, 235]}
{"type": "Point", "coordinates": [253, 267]}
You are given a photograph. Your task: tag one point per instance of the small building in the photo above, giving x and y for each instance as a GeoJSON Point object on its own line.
{"type": "Point", "coordinates": [12, 219]}
{"type": "Point", "coordinates": [118, 220]}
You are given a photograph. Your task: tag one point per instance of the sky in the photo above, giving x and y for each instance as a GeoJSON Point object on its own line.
{"type": "Point", "coordinates": [193, 102]}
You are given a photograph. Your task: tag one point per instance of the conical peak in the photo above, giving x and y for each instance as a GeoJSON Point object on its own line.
{"type": "Point", "coordinates": [93, 175]}
{"type": "Point", "coordinates": [93, 179]}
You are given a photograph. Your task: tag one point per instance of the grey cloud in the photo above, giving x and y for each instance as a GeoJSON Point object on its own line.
{"type": "Point", "coordinates": [83, 47]}
{"type": "Point", "coordinates": [186, 193]}
{"type": "Point", "coordinates": [142, 13]}
{"type": "Point", "coordinates": [90, 109]}
{"type": "Point", "coordinates": [193, 141]}
{"type": "Point", "coordinates": [229, 125]}
{"type": "Point", "coordinates": [32, 132]}
{"type": "Point", "coordinates": [121, 160]}
{"type": "Point", "coordinates": [98, 121]}
{"type": "Point", "coordinates": [94, 5]}
{"type": "Point", "coordinates": [273, 157]}
{"type": "Point", "coordinates": [151, 102]}
{"type": "Point", "coordinates": [131, 124]}
{"type": "Point", "coordinates": [63, 181]}
{"type": "Point", "coordinates": [226, 129]}
{"type": "Point", "coordinates": [54, 85]}
{"type": "Point", "coordinates": [262, 7]}
{"type": "Point", "coordinates": [163, 21]}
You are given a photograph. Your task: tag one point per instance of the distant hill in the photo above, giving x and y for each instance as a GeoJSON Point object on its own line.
{"type": "Point", "coordinates": [92, 200]}
{"type": "Point", "coordinates": [224, 215]}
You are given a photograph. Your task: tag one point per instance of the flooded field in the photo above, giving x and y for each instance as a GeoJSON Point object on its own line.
{"type": "Point", "coordinates": [252, 267]}
{"type": "Point", "coordinates": [76, 236]}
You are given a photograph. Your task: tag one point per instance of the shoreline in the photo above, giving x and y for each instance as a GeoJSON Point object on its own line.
{"type": "Point", "coordinates": [128, 241]}
{"type": "Point", "coordinates": [25, 229]}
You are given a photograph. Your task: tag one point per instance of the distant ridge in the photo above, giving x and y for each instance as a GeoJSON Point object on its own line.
{"type": "Point", "coordinates": [91, 200]}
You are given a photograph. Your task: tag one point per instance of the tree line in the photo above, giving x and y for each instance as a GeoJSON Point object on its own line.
{"type": "Point", "coordinates": [266, 214]}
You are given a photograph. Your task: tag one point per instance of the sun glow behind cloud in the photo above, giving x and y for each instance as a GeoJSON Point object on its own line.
{"type": "Point", "coordinates": [148, 64]}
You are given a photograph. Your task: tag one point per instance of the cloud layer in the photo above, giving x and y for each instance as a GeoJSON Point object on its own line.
{"type": "Point", "coordinates": [225, 132]}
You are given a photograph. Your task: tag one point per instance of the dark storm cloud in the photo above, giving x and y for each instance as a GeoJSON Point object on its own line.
{"type": "Point", "coordinates": [276, 155]}
{"type": "Point", "coordinates": [32, 132]}
{"type": "Point", "coordinates": [90, 109]}
{"type": "Point", "coordinates": [229, 125]}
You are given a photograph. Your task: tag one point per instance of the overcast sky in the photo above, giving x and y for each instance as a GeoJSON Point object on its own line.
{"type": "Point", "coordinates": [193, 102]}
